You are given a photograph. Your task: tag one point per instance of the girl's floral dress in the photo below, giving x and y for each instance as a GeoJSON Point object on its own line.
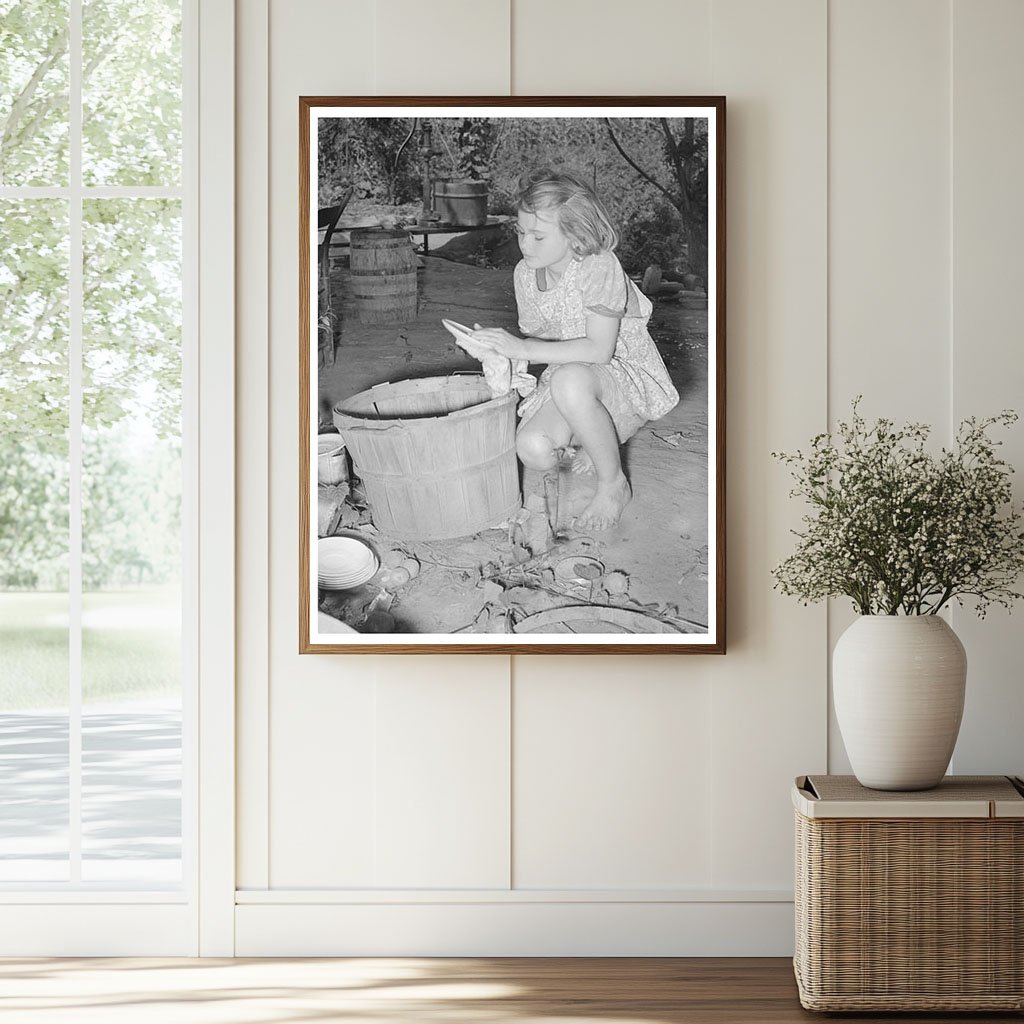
{"type": "Point", "coordinates": [636, 384]}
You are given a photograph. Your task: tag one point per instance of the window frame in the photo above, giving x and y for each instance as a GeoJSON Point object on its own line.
{"type": "Point", "coordinates": [75, 918]}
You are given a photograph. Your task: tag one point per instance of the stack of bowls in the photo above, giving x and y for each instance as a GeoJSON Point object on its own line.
{"type": "Point", "coordinates": [344, 563]}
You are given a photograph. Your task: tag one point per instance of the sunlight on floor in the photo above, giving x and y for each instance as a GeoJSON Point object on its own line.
{"type": "Point", "coordinates": [212, 991]}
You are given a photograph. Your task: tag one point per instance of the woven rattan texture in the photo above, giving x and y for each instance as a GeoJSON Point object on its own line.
{"type": "Point", "coordinates": [915, 914]}
{"type": "Point", "coordinates": [959, 787]}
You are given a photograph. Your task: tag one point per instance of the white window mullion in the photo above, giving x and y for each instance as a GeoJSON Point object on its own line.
{"type": "Point", "coordinates": [190, 452]}
{"type": "Point", "coordinates": [95, 191]}
{"type": "Point", "coordinates": [34, 192]}
{"type": "Point", "coordinates": [75, 301]}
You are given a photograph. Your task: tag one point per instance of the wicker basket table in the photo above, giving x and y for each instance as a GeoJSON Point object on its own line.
{"type": "Point", "coordinates": [910, 901]}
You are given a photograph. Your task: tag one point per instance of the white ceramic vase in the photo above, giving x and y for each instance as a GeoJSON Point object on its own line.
{"type": "Point", "coordinates": [898, 684]}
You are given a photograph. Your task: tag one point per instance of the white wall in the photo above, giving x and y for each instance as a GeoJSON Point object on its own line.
{"type": "Point", "coordinates": [616, 805]}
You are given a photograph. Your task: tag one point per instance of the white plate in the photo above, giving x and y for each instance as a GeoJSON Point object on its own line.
{"type": "Point", "coordinates": [454, 327]}
{"type": "Point", "coordinates": [347, 574]}
{"type": "Point", "coordinates": [347, 584]}
{"type": "Point", "coordinates": [342, 556]}
{"type": "Point", "coordinates": [348, 581]}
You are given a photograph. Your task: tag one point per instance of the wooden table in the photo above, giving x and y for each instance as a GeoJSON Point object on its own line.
{"type": "Point", "coordinates": [340, 239]}
{"type": "Point", "coordinates": [438, 228]}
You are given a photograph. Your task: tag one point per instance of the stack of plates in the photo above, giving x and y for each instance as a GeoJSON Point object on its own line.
{"type": "Point", "coordinates": [344, 563]}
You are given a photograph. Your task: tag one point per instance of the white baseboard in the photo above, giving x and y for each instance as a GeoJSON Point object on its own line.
{"type": "Point", "coordinates": [99, 928]}
{"type": "Point", "coordinates": [520, 928]}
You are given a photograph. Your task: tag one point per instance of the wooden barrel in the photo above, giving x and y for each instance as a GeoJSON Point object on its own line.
{"type": "Point", "coordinates": [383, 269]}
{"type": "Point", "coordinates": [461, 202]}
{"type": "Point", "coordinates": [436, 456]}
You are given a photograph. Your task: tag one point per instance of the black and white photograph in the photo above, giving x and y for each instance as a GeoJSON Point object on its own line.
{"type": "Point", "coordinates": [512, 375]}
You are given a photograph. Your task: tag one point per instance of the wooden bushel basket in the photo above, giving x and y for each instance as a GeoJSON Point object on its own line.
{"type": "Point", "coordinates": [436, 456]}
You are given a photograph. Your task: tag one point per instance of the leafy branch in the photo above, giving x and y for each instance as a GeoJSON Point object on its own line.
{"type": "Point", "coordinates": [636, 167]}
{"type": "Point", "coordinates": [56, 48]}
{"type": "Point", "coordinates": [899, 530]}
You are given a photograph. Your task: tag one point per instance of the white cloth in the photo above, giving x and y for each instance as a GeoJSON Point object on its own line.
{"type": "Point", "coordinates": [501, 373]}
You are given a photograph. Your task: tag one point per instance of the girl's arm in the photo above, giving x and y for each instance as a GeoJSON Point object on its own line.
{"type": "Point", "coordinates": [598, 346]}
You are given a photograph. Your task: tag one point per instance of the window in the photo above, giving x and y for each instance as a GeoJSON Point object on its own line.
{"type": "Point", "coordinates": [95, 460]}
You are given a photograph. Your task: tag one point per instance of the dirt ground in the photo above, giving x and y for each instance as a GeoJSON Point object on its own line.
{"type": "Point", "coordinates": [653, 562]}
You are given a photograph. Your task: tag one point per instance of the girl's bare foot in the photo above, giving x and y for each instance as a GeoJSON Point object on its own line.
{"type": "Point", "coordinates": [606, 506]}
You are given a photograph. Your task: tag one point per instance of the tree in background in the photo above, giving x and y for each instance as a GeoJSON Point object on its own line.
{"type": "Point", "coordinates": [663, 221]}
{"type": "Point", "coordinates": [131, 92]}
{"type": "Point", "coordinates": [33, 93]}
{"type": "Point", "coordinates": [33, 515]}
{"type": "Point", "coordinates": [374, 156]}
{"type": "Point", "coordinates": [477, 140]}
{"type": "Point", "coordinates": [131, 367]}
{"type": "Point", "coordinates": [685, 152]}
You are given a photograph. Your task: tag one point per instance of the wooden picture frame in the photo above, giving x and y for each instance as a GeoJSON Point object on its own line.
{"type": "Point", "coordinates": [423, 450]}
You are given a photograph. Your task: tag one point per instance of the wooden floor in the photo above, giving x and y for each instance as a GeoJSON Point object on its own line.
{"type": "Point", "coordinates": [413, 991]}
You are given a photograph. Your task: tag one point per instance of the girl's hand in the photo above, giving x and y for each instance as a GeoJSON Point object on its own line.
{"type": "Point", "coordinates": [501, 341]}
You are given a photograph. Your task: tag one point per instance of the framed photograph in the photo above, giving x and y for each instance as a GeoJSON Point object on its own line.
{"type": "Point", "coordinates": [512, 375]}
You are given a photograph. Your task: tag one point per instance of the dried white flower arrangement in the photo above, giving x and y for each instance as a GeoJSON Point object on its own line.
{"type": "Point", "coordinates": [899, 530]}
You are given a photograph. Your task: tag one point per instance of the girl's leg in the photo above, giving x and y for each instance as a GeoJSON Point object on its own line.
{"type": "Point", "coordinates": [540, 437]}
{"type": "Point", "coordinates": [537, 443]}
{"type": "Point", "coordinates": [576, 393]}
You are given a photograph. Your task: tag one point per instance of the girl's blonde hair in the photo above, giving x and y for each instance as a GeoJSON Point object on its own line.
{"type": "Point", "coordinates": [581, 215]}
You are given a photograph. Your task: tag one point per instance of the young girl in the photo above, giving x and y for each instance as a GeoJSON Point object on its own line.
{"type": "Point", "coordinates": [586, 319]}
